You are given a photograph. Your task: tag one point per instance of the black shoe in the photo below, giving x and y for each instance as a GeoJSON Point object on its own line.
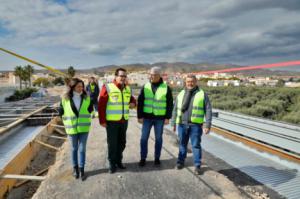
{"type": "Point", "coordinates": [179, 166]}
{"type": "Point", "coordinates": [112, 169]}
{"type": "Point", "coordinates": [82, 175]}
{"type": "Point", "coordinates": [142, 162]}
{"type": "Point", "coordinates": [76, 172]}
{"type": "Point", "coordinates": [156, 162]}
{"type": "Point", "coordinates": [121, 165]}
{"type": "Point", "coordinates": [198, 171]}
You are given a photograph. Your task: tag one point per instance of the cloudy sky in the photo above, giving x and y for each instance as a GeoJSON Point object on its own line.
{"type": "Point", "coordinates": [90, 33]}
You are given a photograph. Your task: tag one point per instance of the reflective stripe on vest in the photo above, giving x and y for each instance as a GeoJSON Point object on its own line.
{"type": "Point", "coordinates": [156, 104]}
{"type": "Point", "coordinates": [74, 125]}
{"type": "Point", "coordinates": [118, 102]}
{"type": "Point", "coordinates": [198, 107]}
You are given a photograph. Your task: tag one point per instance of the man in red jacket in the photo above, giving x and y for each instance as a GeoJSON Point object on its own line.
{"type": "Point", "coordinates": [114, 103]}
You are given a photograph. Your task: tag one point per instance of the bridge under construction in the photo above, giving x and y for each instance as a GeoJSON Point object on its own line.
{"type": "Point", "coordinates": [244, 157]}
{"type": "Point", "coordinates": [232, 167]}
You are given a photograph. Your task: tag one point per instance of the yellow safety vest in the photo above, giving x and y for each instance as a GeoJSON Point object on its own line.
{"type": "Point", "coordinates": [74, 124]}
{"type": "Point", "coordinates": [156, 104]}
{"type": "Point", "coordinates": [92, 87]}
{"type": "Point", "coordinates": [198, 107]}
{"type": "Point", "coordinates": [118, 102]}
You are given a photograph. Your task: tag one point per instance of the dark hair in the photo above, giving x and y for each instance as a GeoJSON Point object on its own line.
{"type": "Point", "coordinates": [119, 69]}
{"type": "Point", "coordinates": [73, 82]}
{"type": "Point", "coordinates": [92, 79]}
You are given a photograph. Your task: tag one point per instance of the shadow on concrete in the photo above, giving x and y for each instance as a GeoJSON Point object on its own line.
{"type": "Point", "coordinates": [168, 164]}
{"type": "Point", "coordinates": [96, 172]}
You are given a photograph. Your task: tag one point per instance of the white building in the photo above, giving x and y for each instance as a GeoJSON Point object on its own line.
{"type": "Point", "coordinates": [138, 78]}
{"type": "Point", "coordinates": [292, 84]}
{"type": "Point", "coordinates": [215, 83]}
{"type": "Point", "coordinates": [264, 81]}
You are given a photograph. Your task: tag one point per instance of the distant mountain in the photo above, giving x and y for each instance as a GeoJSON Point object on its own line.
{"type": "Point", "coordinates": [166, 67]}
{"type": "Point", "coordinates": [183, 67]}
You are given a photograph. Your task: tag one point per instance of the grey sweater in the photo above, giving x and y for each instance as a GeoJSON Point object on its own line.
{"type": "Point", "coordinates": [187, 114]}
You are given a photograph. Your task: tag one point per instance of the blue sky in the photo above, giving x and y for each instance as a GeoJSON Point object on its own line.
{"type": "Point", "coordinates": [95, 33]}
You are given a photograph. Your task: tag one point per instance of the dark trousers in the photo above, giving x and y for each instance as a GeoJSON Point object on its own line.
{"type": "Point", "coordinates": [116, 141]}
{"type": "Point", "coordinates": [95, 104]}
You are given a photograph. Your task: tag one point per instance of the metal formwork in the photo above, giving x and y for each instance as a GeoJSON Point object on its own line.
{"type": "Point", "coordinates": [281, 135]}
{"type": "Point", "coordinates": [279, 175]}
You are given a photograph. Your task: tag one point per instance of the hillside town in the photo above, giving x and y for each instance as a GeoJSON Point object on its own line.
{"type": "Point", "coordinates": [173, 79]}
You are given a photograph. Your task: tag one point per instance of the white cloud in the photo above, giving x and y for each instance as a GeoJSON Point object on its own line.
{"type": "Point", "coordinates": [94, 33]}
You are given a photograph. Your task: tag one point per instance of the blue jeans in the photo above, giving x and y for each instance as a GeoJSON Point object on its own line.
{"type": "Point", "coordinates": [158, 130]}
{"type": "Point", "coordinates": [78, 141]}
{"type": "Point", "coordinates": [194, 132]}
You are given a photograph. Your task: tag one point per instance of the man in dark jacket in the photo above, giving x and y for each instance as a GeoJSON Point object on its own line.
{"type": "Point", "coordinates": [93, 91]}
{"type": "Point", "coordinates": [155, 103]}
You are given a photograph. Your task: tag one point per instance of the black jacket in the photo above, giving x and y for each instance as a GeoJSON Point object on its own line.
{"type": "Point", "coordinates": [93, 95]}
{"type": "Point", "coordinates": [141, 98]}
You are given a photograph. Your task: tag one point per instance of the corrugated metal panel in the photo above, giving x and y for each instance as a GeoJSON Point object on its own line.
{"type": "Point", "coordinates": [281, 178]}
{"type": "Point", "coordinates": [274, 127]}
{"type": "Point", "coordinates": [277, 134]}
{"type": "Point", "coordinates": [261, 120]}
{"type": "Point", "coordinates": [290, 145]}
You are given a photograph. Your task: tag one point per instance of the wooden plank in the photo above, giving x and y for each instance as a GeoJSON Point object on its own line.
{"type": "Point", "coordinates": [12, 115]}
{"type": "Point", "coordinates": [17, 165]}
{"type": "Point", "coordinates": [36, 174]}
{"type": "Point", "coordinates": [22, 177]}
{"type": "Point", "coordinates": [33, 118]}
{"type": "Point", "coordinates": [21, 161]}
{"type": "Point", "coordinates": [5, 119]}
{"type": "Point", "coordinates": [21, 119]}
{"type": "Point", "coordinates": [60, 131]}
{"type": "Point", "coordinates": [55, 137]}
{"type": "Point", "coordinates": [58, 126]}
{"type": "Point", "coordinates": [46, 114]}
{"type": "Point", "coordinates": [46, 145]}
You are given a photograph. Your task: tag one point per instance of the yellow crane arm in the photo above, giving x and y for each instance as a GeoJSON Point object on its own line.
{"type": "Point", "coordinates": [34, 62]}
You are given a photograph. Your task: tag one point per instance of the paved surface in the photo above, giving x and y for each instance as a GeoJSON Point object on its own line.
{"type": "Point", "coordinates": [134, 182]}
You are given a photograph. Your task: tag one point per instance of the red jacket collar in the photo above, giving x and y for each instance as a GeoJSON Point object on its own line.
{"type": "Point", "coordinates": [118, 85]}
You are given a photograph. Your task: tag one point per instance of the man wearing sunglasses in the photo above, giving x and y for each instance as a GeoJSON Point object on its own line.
{"type": "Point", "coordinates": [114, 103]}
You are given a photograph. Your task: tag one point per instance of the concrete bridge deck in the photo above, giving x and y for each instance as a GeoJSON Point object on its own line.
{"type": "Point", "coordinates": [134, 182]}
